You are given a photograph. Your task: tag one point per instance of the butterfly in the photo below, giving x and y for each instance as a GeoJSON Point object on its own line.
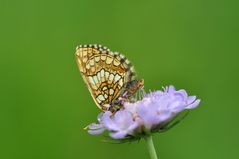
{"type": "Point", "coordinates": [109, 76]}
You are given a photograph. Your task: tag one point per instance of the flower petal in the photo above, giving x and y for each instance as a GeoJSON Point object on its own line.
{"type": "Point", "coordinates": [118, 135]}
{"type": "Point", "coordinates": [171, 89]}
{"type": "Point", "coordinates": [133, 126]}
{"type": "Point", "coordinates": [148, 115]}
{"type": "Point", "coordinates": [183, 93]}
{"type": "Point", "coordinates": [194, 104]}
{"type": "Point", "coordinates": [96, 131]}
{"type": "Point", "coordinates": [108, 122]}
{"type": "Point", "coordinates": [123, 117]}
{"type": "Point", "coordinates": [131, 107]}
{"type": "Point", "coordinates": [164, 116]}
{"type": "Point", "coordinates": [95, 126]}
{"type": "Point", "coordinates": [191, 99]}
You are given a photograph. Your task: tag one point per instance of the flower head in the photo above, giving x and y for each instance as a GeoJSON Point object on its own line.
{"type": "Point", "coordinates": [148, 115]}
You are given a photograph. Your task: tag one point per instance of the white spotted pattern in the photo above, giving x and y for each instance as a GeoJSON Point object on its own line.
{"type": "Point", "coordinates": [106, 73]}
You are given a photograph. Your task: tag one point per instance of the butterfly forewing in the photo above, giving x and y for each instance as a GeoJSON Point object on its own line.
{"type": "Point", "coordinates": [106, 73]}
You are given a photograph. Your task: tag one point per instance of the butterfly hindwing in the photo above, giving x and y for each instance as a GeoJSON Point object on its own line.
{"type": "Point", "coordinates": [106, 73]}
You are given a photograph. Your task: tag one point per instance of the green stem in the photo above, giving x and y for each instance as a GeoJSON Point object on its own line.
{"type": "Point", "coordinates": [150, 145]}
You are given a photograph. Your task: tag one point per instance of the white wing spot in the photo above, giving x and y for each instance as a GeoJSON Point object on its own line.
{"type": "Point", "coordinates": [111, 53]}
{"type": "Point", "coordinates": [111, 77]}
{"type": "Point", "coordinates": [92, 62]}
{"type": "Point", "coordinates": [127, 61]}
{"type": "Point", "coordinates": [97, 59]}
{"type": "Point", "coordinates": [91, 80]}
{"type": "Point", "coordinates": [106, 96]}
{"type": "Point", "coordinates": [101, 97]}
{"type": "Point", "coordinates": [107, 75]}
{"type": "Point", "coordinates": [99, 101]}
{"type": "Point", "coordinates": [121, 82]}
{"type": "Point", "coordinates": [116, 62]}
{"type": "Point", "coordinates": [102, 72]}
{"type": "Point", "coordinates": [95, 79]}
{"type": "Point", "coordinates": [87, 66]}
{"type": "Point", "coordinates": [109, 60]}
{"type": "Point", "coordinates": [117, 77]}
{"type": "Point", "coordinates": [122, 56]}
{"type": "Point", "coordinates": [103, 57]}
{"type": "Point", "coordinates": [107, 105]}
{"type": "Point", "coordinates": [111, 92]}
{"type": "Point", "coordinates": [98, 75]}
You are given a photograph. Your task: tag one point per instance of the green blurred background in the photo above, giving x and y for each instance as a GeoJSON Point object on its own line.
{"type": "Point", "coordinates": [192, 44]}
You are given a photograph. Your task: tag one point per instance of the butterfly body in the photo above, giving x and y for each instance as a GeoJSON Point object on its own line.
{"type": "Point", "coordinates": [108, 75]}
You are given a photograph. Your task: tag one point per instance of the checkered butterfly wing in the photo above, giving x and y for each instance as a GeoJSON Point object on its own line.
{"type": "Point", "coordinates": [106, 73]}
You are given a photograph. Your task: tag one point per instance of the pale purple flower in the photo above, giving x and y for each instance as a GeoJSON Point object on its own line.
{"type": "Point", "coordinates": [144, 116]}
{"type": "Point", "coordinates": [159, 107]}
